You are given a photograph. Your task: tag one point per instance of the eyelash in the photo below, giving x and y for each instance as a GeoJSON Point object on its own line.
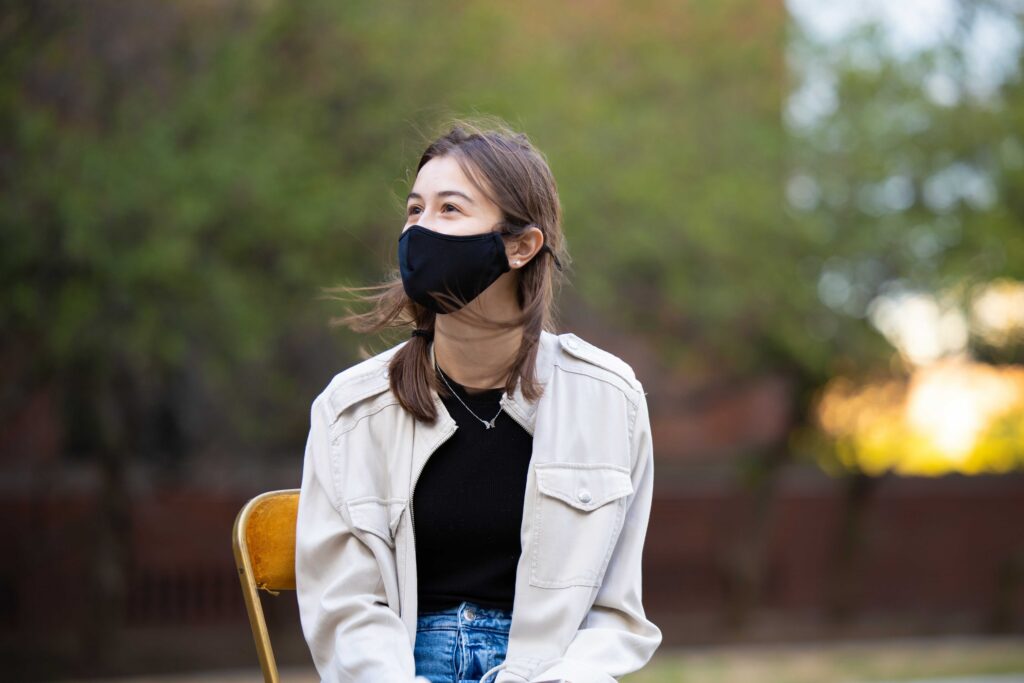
{"type": "Point", "coordinates": [416, 207]}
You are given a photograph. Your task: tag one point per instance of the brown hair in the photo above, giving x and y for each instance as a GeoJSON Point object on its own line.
{"type": "Point", "coordinates": [513, 174]}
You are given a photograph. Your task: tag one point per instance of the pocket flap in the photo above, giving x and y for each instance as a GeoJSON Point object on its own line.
{"type": "Point", "coordinates": [378, 516]}
{"type": "Point", "coordinates": [584, 486]}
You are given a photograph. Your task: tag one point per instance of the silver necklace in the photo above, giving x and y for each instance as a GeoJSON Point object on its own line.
{"type": "Point", "coordinates": [488, 424]}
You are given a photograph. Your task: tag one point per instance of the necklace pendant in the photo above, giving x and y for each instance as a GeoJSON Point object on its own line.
{"type": "Point", "coordinates": [488, 425]}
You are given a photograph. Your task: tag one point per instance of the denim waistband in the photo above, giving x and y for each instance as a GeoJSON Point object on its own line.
{"type": "Point", "coordinates": [466, 615]}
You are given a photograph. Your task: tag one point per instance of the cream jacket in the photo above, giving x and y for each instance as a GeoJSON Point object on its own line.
{"type": "Point", "coordinates": [577, 613]}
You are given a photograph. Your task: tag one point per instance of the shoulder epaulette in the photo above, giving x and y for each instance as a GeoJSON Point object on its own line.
{"type": "Point", "coordinates": [362, 381]}
{"type": "Point", "coordinates": [586, 351]}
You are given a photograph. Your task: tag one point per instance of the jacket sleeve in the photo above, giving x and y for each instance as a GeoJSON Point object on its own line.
{"type": "Point", "coordinates": [616, 638]}
{"type": "Point", "coordinates": [353, 635]}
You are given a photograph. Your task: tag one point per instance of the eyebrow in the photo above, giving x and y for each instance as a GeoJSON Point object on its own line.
{"type": "Point", "coordinates": [444, 193]}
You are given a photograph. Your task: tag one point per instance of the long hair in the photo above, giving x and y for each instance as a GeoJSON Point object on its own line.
{"type": "Point", "coordinates": [515, 176]}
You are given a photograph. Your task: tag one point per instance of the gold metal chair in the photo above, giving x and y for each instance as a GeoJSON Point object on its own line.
{"type": "Point", "coordinates": [264, 545]}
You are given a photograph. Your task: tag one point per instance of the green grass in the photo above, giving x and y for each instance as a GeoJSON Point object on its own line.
{"type": "Point", "coordinates": [836, 663]}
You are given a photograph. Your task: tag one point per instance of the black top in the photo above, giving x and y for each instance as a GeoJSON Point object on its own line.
{"type": "Point", "coordinates": [468, 507]}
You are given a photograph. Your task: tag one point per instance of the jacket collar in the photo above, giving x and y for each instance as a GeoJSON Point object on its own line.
{"type": "Point", "coordinates": [521, 410]}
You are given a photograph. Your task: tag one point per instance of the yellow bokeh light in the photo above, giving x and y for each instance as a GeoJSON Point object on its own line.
{"type": "Point", "coordinates": [951, 416]}
{"type": "Point", "coordinates": [998, 311]}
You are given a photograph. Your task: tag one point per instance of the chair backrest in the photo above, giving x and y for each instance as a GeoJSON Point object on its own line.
{"type": "Point", "coordinates": [264, 543]}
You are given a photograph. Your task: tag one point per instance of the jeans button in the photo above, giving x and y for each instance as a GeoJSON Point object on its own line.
{"type": "Point", "coordinates": [469, 615]}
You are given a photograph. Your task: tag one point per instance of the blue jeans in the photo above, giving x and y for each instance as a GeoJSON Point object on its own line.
{"type": "Point", "coordinates": [460, 644]}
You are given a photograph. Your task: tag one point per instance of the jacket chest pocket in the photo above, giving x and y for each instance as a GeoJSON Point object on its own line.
{"type": "Point", "coordinates": [577, 517]}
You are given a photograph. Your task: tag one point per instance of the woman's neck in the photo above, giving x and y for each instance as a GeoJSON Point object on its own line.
{"type": "Point", "coordinates": [475, 357]}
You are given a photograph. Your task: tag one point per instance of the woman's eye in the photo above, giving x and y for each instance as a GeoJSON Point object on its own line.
{"type": "Point", "coordinates": [450, 205]}
{"type": "Point", "coordinates": [413, 209]}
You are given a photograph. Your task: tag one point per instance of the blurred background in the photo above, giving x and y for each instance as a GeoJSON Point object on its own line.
{"type": "Point", "coordinates": [801, 222]}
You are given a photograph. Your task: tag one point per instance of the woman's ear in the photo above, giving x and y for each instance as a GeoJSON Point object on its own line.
{"type": "Point", "coordinates": [524, 246]}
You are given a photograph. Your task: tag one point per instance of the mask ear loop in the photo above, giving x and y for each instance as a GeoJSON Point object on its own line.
{"type": "Point", "coordinates": [558, 264]}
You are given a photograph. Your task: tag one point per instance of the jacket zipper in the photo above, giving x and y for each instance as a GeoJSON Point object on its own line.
{"type": "Point", "coordinates": [416, 479]}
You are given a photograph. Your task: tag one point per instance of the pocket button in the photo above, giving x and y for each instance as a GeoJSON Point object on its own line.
{"type": "Point", "coordinates": [584, 496]}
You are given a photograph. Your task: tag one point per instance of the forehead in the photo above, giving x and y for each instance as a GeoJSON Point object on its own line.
{"type": "Point", "coordinates": [443, 173]}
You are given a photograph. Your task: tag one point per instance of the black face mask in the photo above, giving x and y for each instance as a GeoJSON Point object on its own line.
{"type": "Point", "coordinates": [461, 266]}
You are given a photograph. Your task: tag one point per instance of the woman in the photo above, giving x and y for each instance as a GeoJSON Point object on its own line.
{"type": "Point", "coordinates": [475, 499]}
